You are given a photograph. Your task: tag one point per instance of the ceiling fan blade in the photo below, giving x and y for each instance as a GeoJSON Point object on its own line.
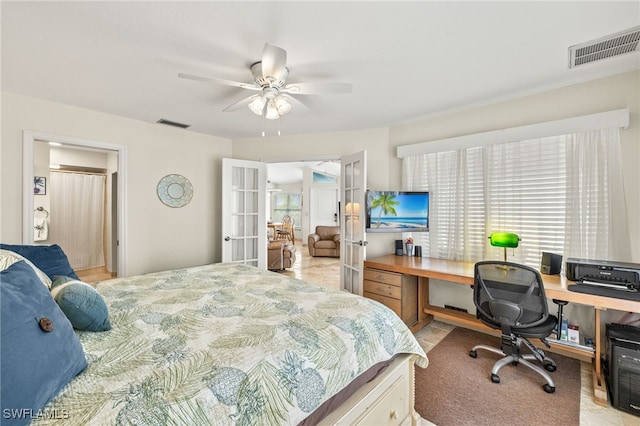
{"type": "Point", "coordinates": [219, 81]}
{"type": "Point", "coordinates": [297, 107]}
{"type": "Point", "coordinates": [274, 61]}
{"type": "Point", "coordinates": [317, 88]}
{"type": "Point", "coordinates": [240, 104]}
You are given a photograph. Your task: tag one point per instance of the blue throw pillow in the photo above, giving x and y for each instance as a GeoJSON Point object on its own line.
{"type": "Point", "coordinates": [81, 303]}
{"type": "Point", "coordinates": [35, 364]}
{"type": "Point", "coordinates": [49, 259]}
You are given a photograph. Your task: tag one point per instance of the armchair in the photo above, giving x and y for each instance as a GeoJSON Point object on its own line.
{"type": "Point", "coordinates": [280, 256]}
{"type": "Point", "coordinates": [510, 297]}
{"type": "Point", "coordinates": [325, 241]}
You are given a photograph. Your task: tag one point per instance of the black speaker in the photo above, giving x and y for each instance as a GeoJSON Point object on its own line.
{"type": "Point", "coordinates": [399, 251]}
{"type": "Point", "coordinates": [623, 367]}
{"type": "Point", "coordinates": [551, 263]}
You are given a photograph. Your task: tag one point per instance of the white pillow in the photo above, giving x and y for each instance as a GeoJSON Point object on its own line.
{"type": "Point", "coordinates": [8, 258]}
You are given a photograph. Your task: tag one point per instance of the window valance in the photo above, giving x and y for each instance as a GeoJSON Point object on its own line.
{"type": "Point", "coordinates": [586, 123]}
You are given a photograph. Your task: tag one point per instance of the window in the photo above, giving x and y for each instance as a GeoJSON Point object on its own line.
{"type": "Point", "coordinates": [553, 192]}
{"type": "Point", "coordinates": [288, 204]}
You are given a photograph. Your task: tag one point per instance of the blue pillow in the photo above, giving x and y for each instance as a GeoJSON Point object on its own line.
{"type": "Point", "coordinates": [35, 365]}
{"type": "Point", "coordinates": [81, 303]}
{"type": "Point", "coordinates": [49, 259]}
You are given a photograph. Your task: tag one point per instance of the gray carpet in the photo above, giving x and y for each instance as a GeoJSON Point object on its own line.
{"type": "Point", "coordinates": [456, 389]}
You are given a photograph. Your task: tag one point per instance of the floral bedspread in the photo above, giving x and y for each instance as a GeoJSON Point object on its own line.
{"type": "Point", "coordinates": [224, 344]}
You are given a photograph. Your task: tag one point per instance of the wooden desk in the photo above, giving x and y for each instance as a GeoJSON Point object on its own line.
{"type": "Point", "coordinates": [556, 287]}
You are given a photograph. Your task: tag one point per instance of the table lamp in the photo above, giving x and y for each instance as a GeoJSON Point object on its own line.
{"type": "Point", "coordinates": [504, 239]}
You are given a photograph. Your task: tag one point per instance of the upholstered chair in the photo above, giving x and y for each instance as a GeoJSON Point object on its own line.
{"type": "Point", "coordinates": [280, 255]}
{"type": "Point", "coordinates": [325, 241]}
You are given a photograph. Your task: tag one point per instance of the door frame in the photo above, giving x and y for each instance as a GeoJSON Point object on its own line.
{"type": "Point", "coordinates": [29, 137]}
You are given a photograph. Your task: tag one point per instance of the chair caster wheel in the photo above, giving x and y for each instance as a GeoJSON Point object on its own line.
{"type": "Point", "coordinates": [496, 379]}
{"type": "Point", "coordinates": [473, 354]}
{"type": "Point", "coordinates": [550, 367]}
{"type": "Point", "coordinates": [549, 389]}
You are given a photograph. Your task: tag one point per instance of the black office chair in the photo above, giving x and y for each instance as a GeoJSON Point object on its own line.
{"type": "Point", "coordinates": [510, 297]}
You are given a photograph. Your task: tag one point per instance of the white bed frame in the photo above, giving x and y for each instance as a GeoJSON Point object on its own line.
{"type": "Point", "coordinates": [386, 400]}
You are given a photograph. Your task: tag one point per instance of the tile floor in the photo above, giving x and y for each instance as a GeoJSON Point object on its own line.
{"type": "Point", "coordinates": [326, 272]}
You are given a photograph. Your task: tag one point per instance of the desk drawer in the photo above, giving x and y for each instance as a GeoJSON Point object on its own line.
{"type": "Point", "coordinates": [393, 304]}
{"type": "Point", "coordinates": [382, 289]}
{"type": "Point", "coordinates": [383, 277]}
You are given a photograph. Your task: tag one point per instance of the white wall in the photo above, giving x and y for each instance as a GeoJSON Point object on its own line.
{"type": "Point", "coordinates": [158, 237]}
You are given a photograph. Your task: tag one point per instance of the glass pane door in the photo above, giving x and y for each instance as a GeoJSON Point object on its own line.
{"type": "Point", "coordinates": [244, 212]}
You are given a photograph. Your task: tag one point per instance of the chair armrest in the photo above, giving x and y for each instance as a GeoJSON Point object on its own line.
{"type": "Point", "coordinates": [336, 238]}
{"type": "Point", "coordinates": [313, 238]}
{"type": "Point", "coordinates": [275, 245]}
{"type": "Point", "coordinates": [275, 258]}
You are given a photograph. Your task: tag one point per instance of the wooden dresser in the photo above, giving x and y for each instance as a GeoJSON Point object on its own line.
{"type": "Point", "coordinates": [397, 291]}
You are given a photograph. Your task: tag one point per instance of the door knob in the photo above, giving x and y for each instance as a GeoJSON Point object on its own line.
{"type": "Point", "coordinates": [227, 238]}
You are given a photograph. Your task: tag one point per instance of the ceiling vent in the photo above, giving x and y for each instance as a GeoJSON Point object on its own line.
{"type": "Point", "coordinates": [173, 123]}
{"type": "Point", "coordinates": [605, 47]}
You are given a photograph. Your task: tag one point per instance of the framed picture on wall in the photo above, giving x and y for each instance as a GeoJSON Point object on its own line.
{"type": "Point", "coordinates": [39, 185]}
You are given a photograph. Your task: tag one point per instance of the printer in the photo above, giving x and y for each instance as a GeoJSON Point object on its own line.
{"type": "Point", "coordinates": [619, 276]}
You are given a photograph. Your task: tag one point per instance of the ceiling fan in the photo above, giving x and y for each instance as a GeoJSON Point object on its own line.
{"type": "Point", "coordinates": [270, 79]}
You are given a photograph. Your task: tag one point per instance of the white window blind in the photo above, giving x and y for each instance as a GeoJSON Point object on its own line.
{"type": "Point", "coordinates": [526, 194]}
{"type": "Point", "coordinates": [552, 192]}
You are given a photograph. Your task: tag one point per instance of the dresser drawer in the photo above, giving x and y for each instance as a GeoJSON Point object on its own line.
{"type": "Point", "coordinates": [383, 277]}
{"type": "Point", "coordinates": [383, 289]}
{"type": "Point", "coordinates": [393, 304]}
{"type": "Point", "coordinates": [391, 408]}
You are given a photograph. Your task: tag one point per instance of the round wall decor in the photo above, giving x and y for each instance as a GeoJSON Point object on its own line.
{"type": "Point", "coordinates": [175, 190]}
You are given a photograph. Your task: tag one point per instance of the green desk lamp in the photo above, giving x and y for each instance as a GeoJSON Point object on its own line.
{"type": "Point", "coordinates": [504, 239]}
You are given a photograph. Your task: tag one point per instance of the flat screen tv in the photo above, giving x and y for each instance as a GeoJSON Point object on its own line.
{"type": "Point", "coordinates": [397, 211]}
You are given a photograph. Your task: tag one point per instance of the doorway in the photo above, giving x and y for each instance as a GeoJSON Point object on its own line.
{"type": "Point", "coordinates": [315, 183]}
{"type": "Point", "coordinates": [300, 178]}
{"type": "Point", "coordinates": [42, 153]}
{"type": "Point", "coordinates": [79, 209]}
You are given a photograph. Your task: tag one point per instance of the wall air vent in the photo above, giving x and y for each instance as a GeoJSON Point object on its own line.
{"type": "Point", "coordinates": [605, 47]}
{"type": "Point", "coordinates": [173, 123]}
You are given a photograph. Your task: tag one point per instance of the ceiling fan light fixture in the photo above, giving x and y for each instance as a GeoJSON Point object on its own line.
{"type": "Point", "coordinates": [272, 111]}
{"type": "Point", "coordinates": [282, 105]}
{"type": "Point", "coordinates": [257, 105]}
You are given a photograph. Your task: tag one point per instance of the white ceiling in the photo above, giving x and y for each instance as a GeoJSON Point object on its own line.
{"type": "Point", "coordinates": [406, 60]}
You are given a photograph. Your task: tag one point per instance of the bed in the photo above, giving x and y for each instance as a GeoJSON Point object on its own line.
{"type": "Point", "coordinates": [224, 344]}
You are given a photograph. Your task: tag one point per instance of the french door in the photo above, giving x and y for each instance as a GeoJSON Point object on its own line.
{"type": "Point", "coordinates": [244, 223]}
{"type": "Point", "coordinates": [353, 186]}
